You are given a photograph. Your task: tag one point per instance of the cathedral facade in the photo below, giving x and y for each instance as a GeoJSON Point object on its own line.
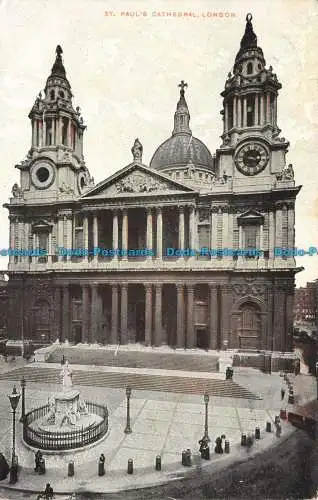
{"type": "Point", "coordinates": [187, 252]}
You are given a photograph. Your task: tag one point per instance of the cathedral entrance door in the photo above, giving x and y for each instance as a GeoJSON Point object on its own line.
{"type": "Point", "coordinates": [202, 338]}
{"type": "Point", "coordinates": [140, 322]}
{"type": "Point", "coordinates": [77, 333]}
{"type": "Point", "coordinates": [249, 326]}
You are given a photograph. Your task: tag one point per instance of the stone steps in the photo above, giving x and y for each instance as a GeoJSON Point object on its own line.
{"type": "Point", "coordinates": [137, 381]}
{"type": "Point", "coordinates": [136, 359]}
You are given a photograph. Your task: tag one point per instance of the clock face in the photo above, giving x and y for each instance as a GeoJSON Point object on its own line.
{"type": "Point", "coordinates": [42, 174]}
{"type": "Point", "coordinates": [251, 159]}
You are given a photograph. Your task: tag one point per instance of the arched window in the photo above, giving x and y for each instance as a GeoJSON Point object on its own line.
{"type": "Point", "coordinates": [249, 68]}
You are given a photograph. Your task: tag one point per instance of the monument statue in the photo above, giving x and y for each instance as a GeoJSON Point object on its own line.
{"type": "Point", "coordinates": [66, 374]}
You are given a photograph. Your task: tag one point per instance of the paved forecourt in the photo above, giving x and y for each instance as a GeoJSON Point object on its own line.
{"type": "Point", "coordinates": [163, 423]}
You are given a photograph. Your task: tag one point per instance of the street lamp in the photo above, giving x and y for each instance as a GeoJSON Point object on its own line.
{"type": "Point", "coordinates": [128, 428]}
{"type": "Point", "coordinates": [206, 425]}
{"type": "Point", "coordinates": [14, 401]}
{"type": "Point", "coordinates": [23, 384]}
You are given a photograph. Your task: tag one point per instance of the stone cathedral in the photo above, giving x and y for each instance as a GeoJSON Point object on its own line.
{"type": "Point", "coordinates": [185, 252]}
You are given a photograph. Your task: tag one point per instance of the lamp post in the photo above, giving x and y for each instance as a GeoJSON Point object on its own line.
{"type": "Point", "coordinates": [128, 428]}
{"type": "Point", "coordinates": [206, 425]}
{"type": "Point", "coordinates": [23, 384]}
{"type": "Point", "coordinates": [14, 401]}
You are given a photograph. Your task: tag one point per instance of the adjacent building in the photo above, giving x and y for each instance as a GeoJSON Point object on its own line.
{"type": "Point", "coordinates": [205, 205]}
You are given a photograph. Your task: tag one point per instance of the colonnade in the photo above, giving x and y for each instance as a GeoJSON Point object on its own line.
{"type": "Point", "coordinates": [217, 325]}
{"type": "Point", "coordinates": [264, 111]}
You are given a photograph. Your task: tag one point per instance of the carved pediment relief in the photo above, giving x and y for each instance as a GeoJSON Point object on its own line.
{"type": "Point", "coordinates": [136, 180]}
{"type": "Point", "coordinates": [250, 216]}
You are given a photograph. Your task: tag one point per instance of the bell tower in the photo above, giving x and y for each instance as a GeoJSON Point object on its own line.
{"type": "Point", "coordinates": [252, 151]}
{"type": "Point", "coordinates": [55, 168]}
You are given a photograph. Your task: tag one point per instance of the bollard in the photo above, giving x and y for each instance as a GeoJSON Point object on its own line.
{"type": "Point", "coordinates": [257, 433]}
{"type": "Point", "coordinates": [243, 440]}
{"type": "Point", "coordinates": [70, 471]}
{"type": "Point", "coordinates": [268, 427]}
{"type": "Point", "coordinates": [186, 457]}
{"type": "Point", "coordinates": [130, 468]}
{"type": "Point", "coordinates": [227, 446]}
{"type": "Point", "coordinates": [158, 462]}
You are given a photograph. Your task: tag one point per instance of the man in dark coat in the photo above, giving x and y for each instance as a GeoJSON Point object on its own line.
{"type": "Point", "coordinates": [4, 467]}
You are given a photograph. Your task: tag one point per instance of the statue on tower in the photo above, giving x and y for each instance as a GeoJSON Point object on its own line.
{"type": "Point", "coordinates": [137, 150]}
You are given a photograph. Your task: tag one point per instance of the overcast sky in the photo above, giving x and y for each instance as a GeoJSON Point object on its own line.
{"type": "Point", "coordinates": [124, 73]}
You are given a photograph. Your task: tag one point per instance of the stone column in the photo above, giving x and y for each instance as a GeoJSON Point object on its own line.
{"type": "Point", "coordinates": [124, 314]}
{"type": "Point", "coordinates": [85, 235]}
{"type": "Point", "coordinates": [124, 238]}
{"type": "Point", "coordinates": [244, 111]}
{"type": "Point", "coordinates": [214, 231]}
{"type": "Point", "coordinates": [225, 314]}
{"type": "Point", "coordinates": [158, 314]}
{"type": "Point", "coordinates": [239, 112]}
{"type": "Point", "coordinates": [275, 111]}
{"type": "Point", "coordinates": [268, 107]}
{"type": "Point", "coordinates": [94, 306]}
{"type": "Point", "coordinates": [148, 313]}
{"type": "Point", "coordinates": [53, 131]}
{"type": "Point", "coordinates": [279, 226]}
{"type": "Point", "coordinates": [57, 312]}
{"type": "Point", "coordinates": [26, 240]}
{"type": "Point", "coordinates": [11, 237]}
{"type": "Point", "coordinates": [69, 234]}
{"type": "Point", "coordinates": [291, 225]}
{"type": "Point", "coordinates": [115, 231]}
{"type": "Point", "coordinates": [226, 118]}
{"type": "Point", "coordinates": [85, 313]}
{"type": "Point", "coordinates": [69, 133]}
{"type": "Point", "coordinates": [262, 110]}
{"type": "Point", "coordinates": [149, 230]}
{"type": "Point", "coordinates": [95, 234]}
{"type": "Point", "coordinates": [49, 253]}
{"type": "Point", "coordinates": [34, 126]}
{"type": "Point", "coordinates": [65, 314]}
{"type": "Point", "coordinates": [114, 325]}
{"type": "Point", "coordinates": [271, 234]}
{"type": "Point", "coordinates": [235, 108]}
{"type": "Point", "coordinates": [279, 318]}
{"type": "Point", "coordinates": [213, 316]}
{"type": "Point", "coordinates": [190, 319]}
{"type": "Point", "coordinates": [192, 229]}
{"type": "Point", "coordinates": [180, 315]}
{"type": "Point", "coordinates": [181, 228]}
{"type": "Point", "coordinates": [225, 229]}
{"type": "Point", "coordinates": [159, 233]}
{"type": "Point", "coordinates": [60, 235]}
{"type": "Point", "coordinates": [256, 109]}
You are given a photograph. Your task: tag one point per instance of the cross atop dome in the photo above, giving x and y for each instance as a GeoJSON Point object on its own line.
{"type": "Point", "coordinates": [182, 86]}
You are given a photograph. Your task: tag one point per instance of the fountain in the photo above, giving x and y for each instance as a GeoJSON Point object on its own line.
{"type": "Point", "coordinates": [67, 421]}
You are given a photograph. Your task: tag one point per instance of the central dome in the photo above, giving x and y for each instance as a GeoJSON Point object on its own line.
{"type": "Point", "coordinates": [180, 150]}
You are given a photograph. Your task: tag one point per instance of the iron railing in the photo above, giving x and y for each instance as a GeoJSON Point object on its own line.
{"type": "Point", "coordinates": [64, 440]}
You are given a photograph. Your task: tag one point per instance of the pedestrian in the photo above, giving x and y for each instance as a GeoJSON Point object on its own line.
{"type": "Point", "coordinates": [282, 393]}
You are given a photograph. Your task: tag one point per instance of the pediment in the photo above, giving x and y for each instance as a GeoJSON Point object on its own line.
{"type": "Point", "coordinates": [136, 180]}
{"type": "Point", "coordinates": [252, 216]}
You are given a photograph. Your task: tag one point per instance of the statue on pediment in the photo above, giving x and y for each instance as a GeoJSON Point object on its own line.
{"type": "Point", "coordinates": [16, 191]}
{"type": "Point", "coordinates": [137, 150]}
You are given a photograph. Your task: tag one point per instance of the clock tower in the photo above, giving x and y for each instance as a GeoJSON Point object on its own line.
{"type": "Point", "coordinates": [252, 153]}
{"type": "Point", "coordinates": [54, 168]}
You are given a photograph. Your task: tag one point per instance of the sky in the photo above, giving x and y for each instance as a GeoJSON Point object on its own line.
{"type": "Point", "coordinates": [124, 71]}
